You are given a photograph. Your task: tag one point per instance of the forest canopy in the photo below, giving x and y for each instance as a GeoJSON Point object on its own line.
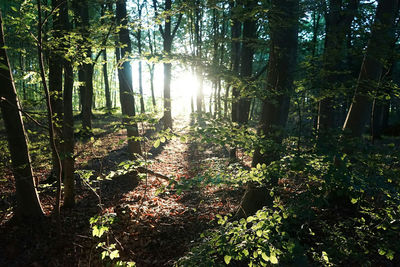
{"type": "Point", "coordinates": [199, 133]}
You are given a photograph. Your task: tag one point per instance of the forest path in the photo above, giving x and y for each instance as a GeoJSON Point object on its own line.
{"type": "Point", "coordinates": [156, 223]}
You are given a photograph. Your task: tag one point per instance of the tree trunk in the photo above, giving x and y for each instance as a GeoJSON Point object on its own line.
{"type": "Point", "coordinates": [68, 161]}
{"type": "Point", "coordinates": [139, 39]}
{"type": "Point", "coordinates": [125, 82]}
{"type": "Point", "coordinates": [372, 66]}
{"type": "Point", "coordinates": [235, 61]}
{"type": "Point", "coordinates": [167, 68]}
{"type": "Point", "coordinates": [199, 67]}
{"type": "Point", "coordinates": [28, 204]}
{"type": "Point", "coordinates": [106, 84]}
{"type": "Point", "coordinates": [151, 71]}
{"type": "Point", "coordinates": [81, 10]}
{"type": "Point", "coordinates": [55, 87]}
{"type": "Point", "coordinates": [338, 23]}
{"type": "Point", "coordinates": [246, 67]}
{"type": "Point", "coordinates": [281, 72]}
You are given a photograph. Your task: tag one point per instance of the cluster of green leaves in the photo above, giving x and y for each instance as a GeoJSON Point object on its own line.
{"type": "Point", "coordinates": [259, 240]}
{"type": "Point", "coordinates": [224, 133]}
{"type": "Point", "coordinates": [334, 209]}
{"type": "Point", "coordinates": [101, 227]}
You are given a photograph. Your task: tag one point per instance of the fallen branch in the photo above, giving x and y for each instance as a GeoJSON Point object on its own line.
{"type": "Point", "coordinates": [158, 175]}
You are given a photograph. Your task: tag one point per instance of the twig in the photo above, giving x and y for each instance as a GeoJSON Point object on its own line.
{"type": "Point", "coordinates": [25, 113]}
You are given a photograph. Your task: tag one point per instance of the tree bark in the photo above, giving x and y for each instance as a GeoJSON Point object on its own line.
{"type": "Point", "coordinates": [29, 208]}
{"type": "Point", "coordinates": [106, 84]}
{"type": "Point", "coordinates": [139, 39]}
{"type": "Point", "coordinates": [372, 66]}
{"type": "Point", "coordinates": [235, 62]}
{"type": "Point", "coordinates": [167, 45]}
{"type": "Point", "coordinates": [68, 160]}
{"type": "Point", "coordinates": [338, 23]}
{"type": "Point", "coordinates": [85, 73]}
{"type": "Point", "coordinates": [246, 67]}
{"type": "Point", "coordinates": [125, 81]}
{"type": "Point", "coordinates": [55, 86]}
{"type": "Point", "coordinates": [281, 73]}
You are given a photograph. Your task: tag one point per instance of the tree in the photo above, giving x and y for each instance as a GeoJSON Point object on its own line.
{"type": "Point", "coordinates": [68, 161]}
{"type": "Point", "coordinates": [246, 66]}
{"type": "Point", "coordinates": [338, 23]}
{"type": "Point", "coordinates": [28, 204]}
{"type": "Point", "coordinates": [372, 66]}
{"type": "Point", "coordinates": [139, 45]}
{"type": "Point", "coordinates": [168, 35]}
{"type": "Point", "coordinates": [55, 83]}
{"type": "Point", "coordinates": [105, 74]}
{"type": "Point", "coordinates": [125, 81]}
{"type": "Point", "coordinates": [85, 73]}
{"type": "Point", "coordinates": [283, 25]}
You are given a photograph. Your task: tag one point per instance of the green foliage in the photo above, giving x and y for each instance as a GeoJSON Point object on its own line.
{"type": "Point", "coordinates": [329, 212]}
{"type": "Point", "coordinates": [101, 229]}
{"type": "Point", "coordinates": [259, 240]}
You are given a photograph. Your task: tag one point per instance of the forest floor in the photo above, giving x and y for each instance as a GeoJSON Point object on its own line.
{"type": "Point", "coordinates": [155, 224]}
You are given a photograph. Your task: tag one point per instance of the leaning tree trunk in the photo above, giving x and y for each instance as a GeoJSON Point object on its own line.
{"type": "Point", "coordinates": [28, 204]}
{"type": "Point", "coordinates": [281, 72]}
{"type": "Point", "coordinates": [125, 82]}
{"type": "Point", "coordinates": [372, 66]}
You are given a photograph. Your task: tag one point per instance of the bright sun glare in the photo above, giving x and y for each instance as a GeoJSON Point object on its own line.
{"type": "Point", "coordinates": [184, 86]}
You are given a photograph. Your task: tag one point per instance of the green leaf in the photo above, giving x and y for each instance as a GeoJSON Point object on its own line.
{"type": "Point", "coordinates": [157, 143]}
{"type": "Point", "coordinates": [325, 257]}
{"type": "Point", "coordinates": [114, 254]}
{"type": "Point", "coordinates": [354, 201]}
{"type": "Point", "coordinates": [273, 259]}
{"type": "Point", "coordinates": [264, 256]}
{"type": "Point", "coordinates": [227, 259]}
{"type": "Point", "coordinates": [3, 66]}
{"type": "Point", "coordinates": [259, 233]}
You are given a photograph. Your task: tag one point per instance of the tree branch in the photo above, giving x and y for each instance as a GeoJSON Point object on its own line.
{"type": "Point", "coordinates": [177, 25]}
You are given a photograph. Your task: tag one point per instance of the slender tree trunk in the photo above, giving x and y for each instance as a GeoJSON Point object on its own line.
{"type": "Point", "coordinates": [281, 72]}
{"type": "Point", "coordinates": [167, 68]}
{"type": "Point", "coordinates": [50, 115]}
{"type": "Point", "coordinates": [153, 98]}
{"type": "Point", "coordinates": [246, 67]}
{"type": "Point", "coordinates": [55, 88]}
{"type": "Point", "coordinates": [372, 66]}
{"type": "Point", "coordinates": [85, 72]}
{"type": "Point", "coordinates": [106, 84]}
{"type": "Point", "coordinates": [125, 82]}
{"type": "Point", "coordinates": [28, 204]}
{"type": "Point", "coordinates": [235, 61]}
{"type": "Point", "coordinates": [68, 160]}
{"type": "Point", "coordinates": [139, 39]}
{"type": "Point", "coordinates": [199, 67]}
